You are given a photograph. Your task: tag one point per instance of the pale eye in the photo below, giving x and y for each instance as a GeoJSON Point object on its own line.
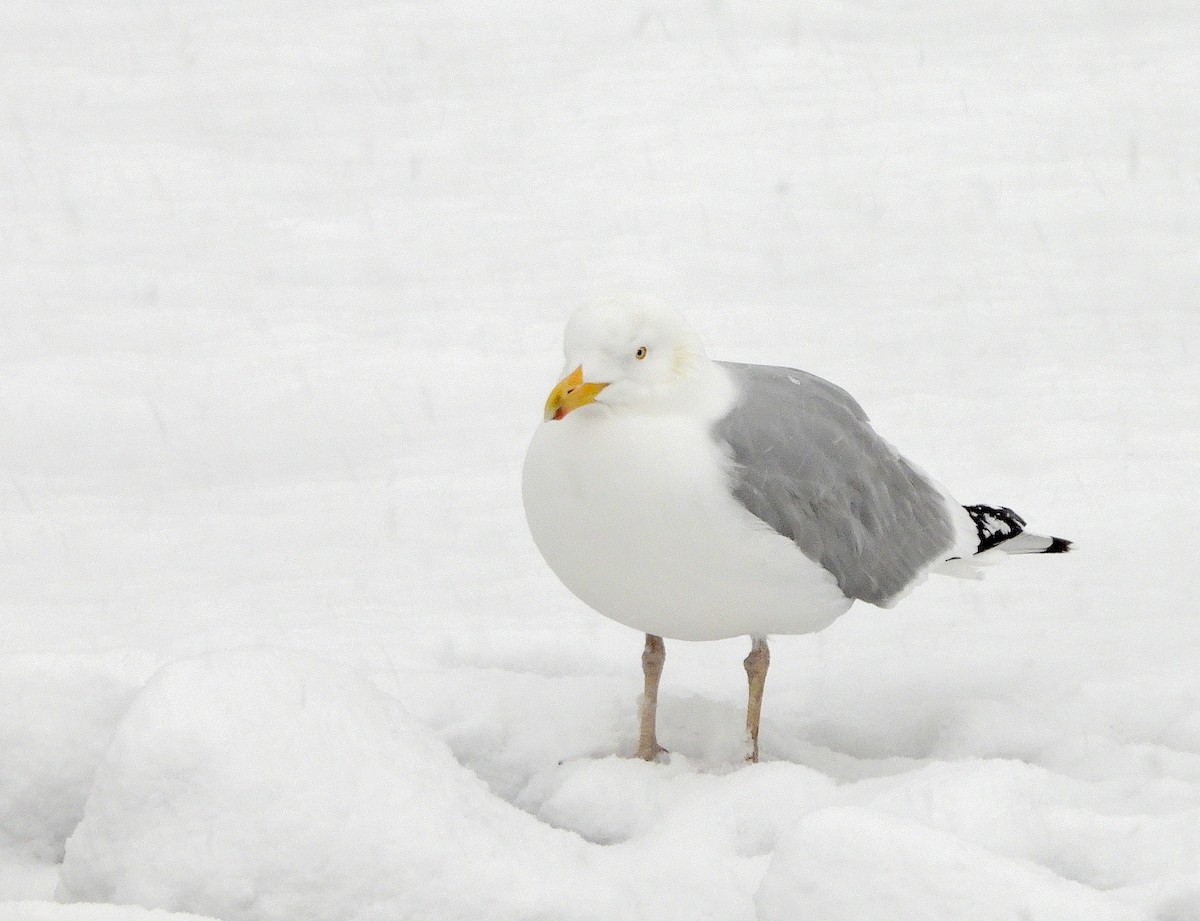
{"type": "Point", "coordinates": [640, 353]}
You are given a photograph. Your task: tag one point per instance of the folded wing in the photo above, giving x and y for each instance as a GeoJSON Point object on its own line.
{"type": "Point", "coordinates": [807, 463]}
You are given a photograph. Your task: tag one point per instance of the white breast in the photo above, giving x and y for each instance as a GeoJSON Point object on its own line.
{"type": "Point", "coordinates": [633, 514]}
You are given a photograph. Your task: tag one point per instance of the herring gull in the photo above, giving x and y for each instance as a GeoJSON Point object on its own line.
{"type": "Point", "coordinates": [694, 499]}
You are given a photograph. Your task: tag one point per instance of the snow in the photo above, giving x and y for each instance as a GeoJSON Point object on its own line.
{"type": "Point", "coordinates": [51, 911]}
{"type": "Point", "coordinates": [259, 784]}
{"type": "Point", "coordinates": [56, 718]}
{"type": "Point", "coordinates": [281, 300]}
{"type": "Point", "coordinates": [876, 867]}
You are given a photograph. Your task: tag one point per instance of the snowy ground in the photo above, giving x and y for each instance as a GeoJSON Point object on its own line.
{"type": "Point", "coordinates": [281, 286]}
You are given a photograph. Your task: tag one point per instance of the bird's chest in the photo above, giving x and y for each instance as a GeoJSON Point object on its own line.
{"type": "Point", "coordinates": [630, 483]}
{"type": "Point", "coordinates": [638, 520]}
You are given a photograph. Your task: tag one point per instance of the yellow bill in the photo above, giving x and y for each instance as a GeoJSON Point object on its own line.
{"type": "Point", "coordinates": [570, 393]}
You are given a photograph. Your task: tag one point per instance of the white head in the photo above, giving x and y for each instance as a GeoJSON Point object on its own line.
{"type": "Point", "coordinates": [627, 356]}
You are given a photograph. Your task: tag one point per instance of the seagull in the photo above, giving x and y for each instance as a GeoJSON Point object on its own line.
{"type": "Point", "coordinates": [694, 499]}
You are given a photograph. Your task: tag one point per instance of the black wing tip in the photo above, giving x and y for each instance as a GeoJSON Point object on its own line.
{"type": "Point", "coordinates": [1059, 545]}
{"type": "Point", "coordinates": [994, 524]}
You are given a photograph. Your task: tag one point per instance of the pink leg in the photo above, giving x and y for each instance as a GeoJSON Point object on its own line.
{"type": "Point", "coordinates": [756, 664]}
{"type": "Point", "coordinates": [653, 657]}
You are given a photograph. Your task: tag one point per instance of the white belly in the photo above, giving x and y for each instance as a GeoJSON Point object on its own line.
{"type": "Point", "coordinates": [634, 516]}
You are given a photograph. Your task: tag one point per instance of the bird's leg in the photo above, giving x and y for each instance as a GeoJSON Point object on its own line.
{"type": "Point", "coordinates": [653, 657]}
{"type": "Point", "coordinates": [756, 672]}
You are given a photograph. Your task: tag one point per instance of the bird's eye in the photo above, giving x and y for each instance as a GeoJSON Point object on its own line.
{"type": "Point", "coordinates": [640, 353]}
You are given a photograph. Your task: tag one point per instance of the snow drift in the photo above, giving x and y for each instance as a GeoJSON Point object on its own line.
{"type": "Point", "coordinates": [262, 785]}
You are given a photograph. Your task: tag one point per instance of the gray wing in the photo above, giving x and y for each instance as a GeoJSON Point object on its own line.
{"type": "Point", "coordinates": [808, 463]}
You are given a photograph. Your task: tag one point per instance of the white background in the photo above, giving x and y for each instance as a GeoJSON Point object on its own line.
{"type": "Point", "coordinates": [281, 290]}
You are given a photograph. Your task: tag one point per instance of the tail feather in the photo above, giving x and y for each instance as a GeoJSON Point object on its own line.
{"type": "Point", "coordinates": [1003, 529]}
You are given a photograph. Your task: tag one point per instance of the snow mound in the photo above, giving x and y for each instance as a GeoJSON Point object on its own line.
{"type": "Point", "coordinates": [259, 784]}
{"type": "Point", "coordinates": [51, 911]}
{"type": "Point", "coordinates": [853, 864]}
